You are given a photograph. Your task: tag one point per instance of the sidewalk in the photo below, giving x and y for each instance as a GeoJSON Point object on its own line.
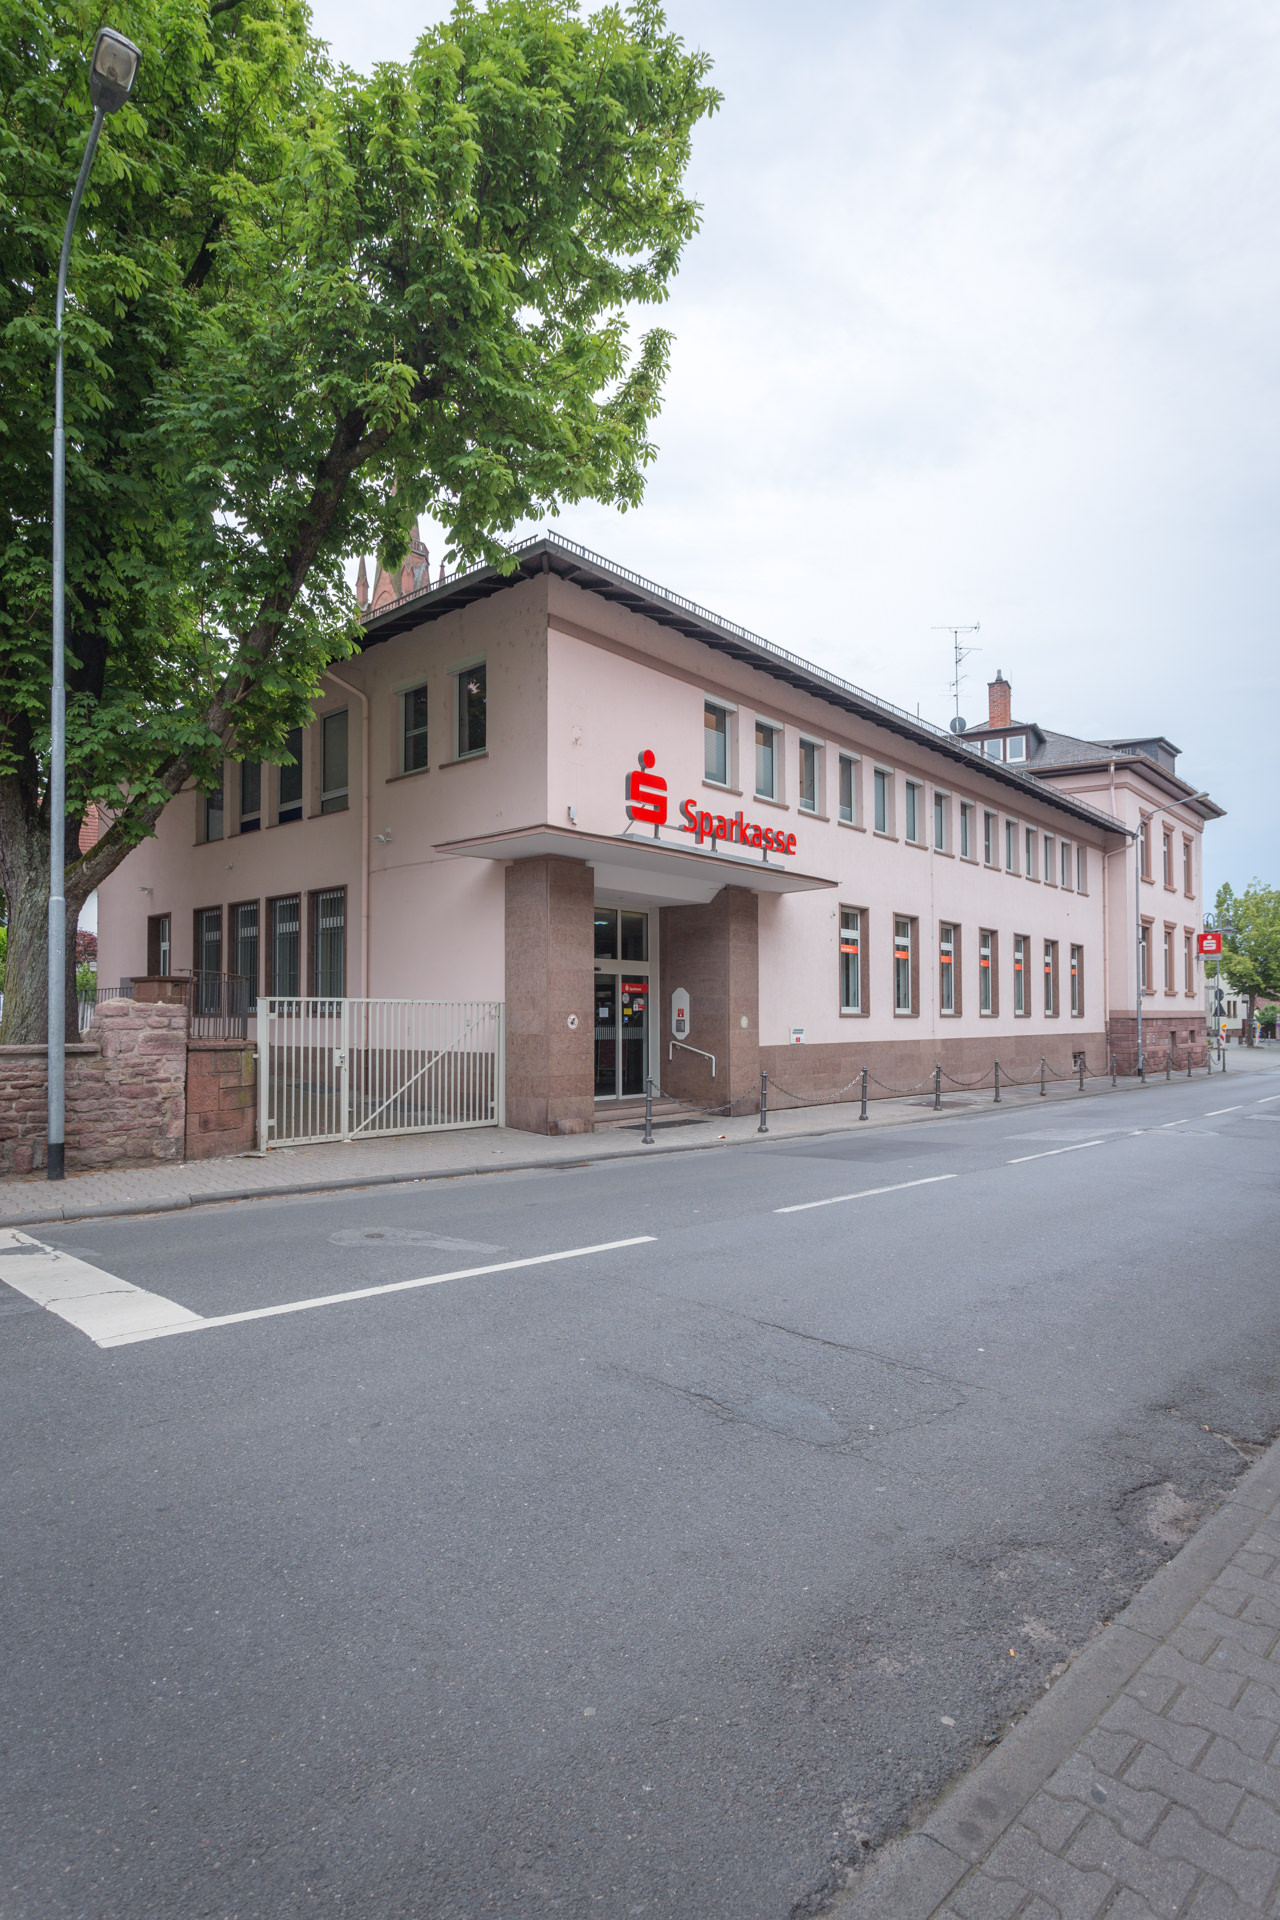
{"type": "Point", "coordinates": [1146, 1784]}
{"type": "Point", "coordinates": [30, 1200]}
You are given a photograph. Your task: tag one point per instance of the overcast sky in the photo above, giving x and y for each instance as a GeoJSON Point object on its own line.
{"type": "Point", "coordinates": [981, 325]}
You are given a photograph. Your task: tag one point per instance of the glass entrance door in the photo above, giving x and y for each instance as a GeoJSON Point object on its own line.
{"type": "Point", "coordinates": [621, 1007]}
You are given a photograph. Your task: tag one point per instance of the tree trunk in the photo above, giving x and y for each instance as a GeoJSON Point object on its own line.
{"type": "Point", "coordinates": [24, 871]}
{"type": "Point", "coordinates": [1250, 1004]}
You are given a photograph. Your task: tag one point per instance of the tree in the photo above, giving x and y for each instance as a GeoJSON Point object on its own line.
{"type": "Point", "coordinates": [1251, 955]}
{"type": "Point", "coordinates": [304, 306]}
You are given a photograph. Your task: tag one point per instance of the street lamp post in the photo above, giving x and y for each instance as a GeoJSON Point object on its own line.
{"type": "Point", "coordinates": [111, 76]}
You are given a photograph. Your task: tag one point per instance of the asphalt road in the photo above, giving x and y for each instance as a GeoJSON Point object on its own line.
{"type": "Point", "coordinates": [659, 1581]}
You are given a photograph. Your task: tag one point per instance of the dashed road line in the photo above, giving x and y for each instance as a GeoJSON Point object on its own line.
{"type": "Point", "coordinates": [1079, 1147]}
{"type": "Point", "coordinates": [1219, 1110]}
{"type": "Point", "coordinates": [868, 1193]}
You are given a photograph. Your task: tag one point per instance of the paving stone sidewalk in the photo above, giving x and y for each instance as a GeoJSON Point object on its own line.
{"type": "Point", "coordinates": [1146, 1784]}
{"type": "Point", "coordinates": [29, 1199]}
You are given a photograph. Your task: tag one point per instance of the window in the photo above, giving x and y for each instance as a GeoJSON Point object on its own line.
{"type": "Point", "coordinates": [882, 780]}
{"type": "Point", "coordinates": [1010, 847]}
{"type": "Point", "coordinates": [1066, 863]}
{"type": "Point", "coordinates": [989, 838]}
{"type": "Point", "coordinates": [1144, 850]}
{"type": "Point", "coordinates": [851, 960]}
{"type": "Point", "coordinates": [333, 762]}
{"type": "Point", "coordinates": [1082, 869]}
{"type": "Point", "coordinates": [244, 946]}
{"type": "Point", "coordinates": [986, 971]}
{"type": "Point", "coordinates": [250, 795]}
{"type": "Point", "coordinates": [715, 744]}
{"type": "Point", "coordinates": [213, 817]}
{"type": "Point", "coordinates": [808, 776]}
{"type": "Point", "coordinates": [1077, 982]}
{"type": "Point", "coordinates": [473, 731]}
{"type": "Point", "coordinates": [413, 729]}
{"type": "Point", "coordinates": [1188, 965]}
{"type": "Point", "coordinates": [291, 778]}
{"type": "Point", "coordinates": [1186, 868]}
{"type": "Point", "coordinates": [1144, 956]}
{"type": "Point", "coordinates": [1015, 747]}
{"type": "Point", "coordinates": [329, 942]}
{"type": "Point", "coordinates": [994, 749]}
{"type": "Point", "coordinates": [1168, 960]}
{"type": "Point", "coordinates": [1021, 1004]}
{"type": "Point", "coordinates": [1050, 866]}
{"type": "Point", "coordinates": [948, 949]}
{"type": "Point", "coordinates": [208, 939]}
{"type": "Point", "coordinates": [159, 945]}
{"type": "Point", "coordinates": [766, 761]}
{"type": "Point", "coordinates": [1166, 857]}
{"type": "Point", "coordinates": [848, 796]}
{"type": "Point", "coordinates": [284, 958]}
{"type": "Point", "coordinates": [1029, 839]}
{"type": "Point", "coordinates": [966, 831]}
{"type": "Point", "coordinates": [913, 810]}
{"type": "Point", "coordinates": [940, 822]}
{"type": "Point", "coordinates": [903, 964]}
{"type": "Point", "coordinates": [1051, 977]}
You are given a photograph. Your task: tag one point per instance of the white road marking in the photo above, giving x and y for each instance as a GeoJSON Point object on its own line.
{"type": "Point", "coordinates": [1267, 1099]}
{"type": "Point", "coordinates": [96, 1303]}
{"type": "Point", "coordinates": [114, 1313]}
{"type": "Point", "coordinates": [1022, 1158]}
{"type": "Point", "coordinates": [868, 1193]}
{"type": "Point", "coordinates": [1218, 1110]}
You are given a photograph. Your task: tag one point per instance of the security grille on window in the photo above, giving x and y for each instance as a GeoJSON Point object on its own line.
{"type": "Point", "coordinates": [848, 810]}
{"type": "Point", "coordinates": [715, 743]}
{"type": "Point", "coordinates": [291, 778]}
{"type": "Point", "coordinates": [329, 942]}
{"type": "Point", "coordinates": [882, 800]}
{"type": "Point", "coordinates": [413, 750]}
{"type": "Point", "coordinates": [986, 972]}
{"type": "Point", "coordinates": [808, 776]}
{"type": "Point", "coordinates": [766, 761]}
{"type": "Point", "coordinates": [989, 838]}
{"type": "Point", "coordinates": [913, 810]}
{"type": "Point", "coordinates": [947, 968]}
{"type": "Point", "coordinates": [902, 937]}
{"type": "Point", "coordinates": [850, 960]}
{"type": "Point", "coordinates": [1077, 981]}
{"type": "Point", "coordinates": [1051, 976]}
{"type": "Point", "coordinates": [208, 942]}
{"type": "Point", "coordinates": [473, 722]}
{"type": "Point", "coordinates": [213, 814]}
{"type": "Point", "coordinates": [333, 762]}
{"type": "Point", "coordinates": [1021, 1004]}
{"type": "Point", "coordinates": [250, 795]}
{"type": "Point", "coordinates": [940, 822]}
{"type": "Point", "coordinates": [284, 961]}
{"type": "Point", "coordinates": [244, 946]}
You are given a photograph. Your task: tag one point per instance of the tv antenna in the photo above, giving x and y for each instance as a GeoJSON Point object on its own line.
{"type": "Point", "coordinates": [961, 655]}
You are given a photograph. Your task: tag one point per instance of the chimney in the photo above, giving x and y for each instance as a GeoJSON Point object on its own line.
{"type": "Point", "coordinates": [362, 586]}
{"type": "Point", "coordinates": [999, 702]}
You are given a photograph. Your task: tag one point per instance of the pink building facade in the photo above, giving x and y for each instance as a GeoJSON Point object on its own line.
{"type": "Point", "coordinates": [676, 851]}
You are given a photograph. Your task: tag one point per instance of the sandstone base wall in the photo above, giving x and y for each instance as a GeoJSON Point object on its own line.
{"type": "Point", "coordinates": [126, 1093]}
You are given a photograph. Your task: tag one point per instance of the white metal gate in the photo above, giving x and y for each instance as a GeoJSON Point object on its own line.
{"type": "Point", "coordinates": [362, 1069]}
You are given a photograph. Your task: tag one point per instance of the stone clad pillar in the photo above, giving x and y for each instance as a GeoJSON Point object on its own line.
{"type": "Point", "coordinates": [714, 953]}
{"type": "Point", "coordinates": [550, 983]}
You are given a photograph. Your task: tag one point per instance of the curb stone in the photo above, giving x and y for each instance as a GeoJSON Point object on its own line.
{"type": "Point", "coordinates": [912, 1877]}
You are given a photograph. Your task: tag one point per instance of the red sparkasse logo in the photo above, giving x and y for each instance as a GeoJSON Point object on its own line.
{"type": "Point", "coordinates": [647, 805]}
{"type": "Point", "coordinates": [647, 794]}
{"type": "Point", "coordinates": [1209, 943]}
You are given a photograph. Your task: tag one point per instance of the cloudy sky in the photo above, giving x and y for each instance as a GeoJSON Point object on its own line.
{"type": "Point", "coordinates": [982, 326]}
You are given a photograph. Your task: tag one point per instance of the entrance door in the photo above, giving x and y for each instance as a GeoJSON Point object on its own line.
{"type": "Point", "coordinates": [621, 1003]}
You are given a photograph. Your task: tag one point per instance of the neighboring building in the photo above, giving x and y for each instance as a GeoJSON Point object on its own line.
{"type": "Point", "coordinates": [831, 881]}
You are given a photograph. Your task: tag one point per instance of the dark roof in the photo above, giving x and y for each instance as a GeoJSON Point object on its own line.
{"type": "Point", "coordinates": [553, 553]}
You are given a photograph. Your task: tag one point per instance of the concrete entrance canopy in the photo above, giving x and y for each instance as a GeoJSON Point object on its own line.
{"type": "Point", "coordinates": [639, 866]}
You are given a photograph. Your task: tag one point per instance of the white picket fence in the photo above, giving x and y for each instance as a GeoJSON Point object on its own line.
{"type": "Point", "coordinates": [364, 1069]}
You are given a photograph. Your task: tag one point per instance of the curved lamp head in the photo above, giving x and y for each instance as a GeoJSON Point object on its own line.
{"type": "Point", "coordinates": [113, 70]}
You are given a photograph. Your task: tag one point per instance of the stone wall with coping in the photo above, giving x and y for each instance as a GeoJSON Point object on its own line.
{"type": "Point", "coordinates": [126, 1092]}
{"type": "Point", "coordinates": [221, 1098]}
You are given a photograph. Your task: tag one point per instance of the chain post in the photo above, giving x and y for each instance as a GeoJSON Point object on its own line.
{"type": "Point", "coordinates": [1113, 1069]}
{"type": "Point", "coordinates": [863, 1114]}
{"type": "Point", "coordinates": [937, 1089]}
{"type": "Point", "coordinates": [1168, 1063]}
{"type": "Point", "coordinates": [1188, 1059]}
{"type": "Point", "coordinates": [1042, 1075]}
{"type": "Point", "coordinates": [764, 1104]}
{"type": "Point", "coordinates": [647, 1139]}
{"type": "Point", "coordinates": [997, 1099]}
{"type": "Point", "coordinates": [1082, 1073]}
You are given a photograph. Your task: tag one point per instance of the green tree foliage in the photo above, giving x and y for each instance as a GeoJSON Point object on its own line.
{"type": "Point", "coordinates": [304, 306]}
{"type": "Point", "coordinates": [1251, 955]}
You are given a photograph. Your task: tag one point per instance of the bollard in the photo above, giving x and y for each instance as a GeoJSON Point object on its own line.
{"type": "Point", "coordinates": [1168, 1063]}
{"type": "Point", "coordinates": [997, 1083]}
{"type": "Point", "coordinates": [1188, 1060]}
{"type": "Point", "coordinates": [1082, 1073]}
{"type": "Point", "coordinates": [647, 1137]}
{"type": "Point", "coordinates": [863, 1114]}
{"type": "Point", "coordinates": [764, 1104]}
{"type": "Point", "coordinates": [1042, 1071]}
{"type": "Point", "coordinates": [1113, 1069]}
{"type": "Point", "coordinates": [937, 1089]}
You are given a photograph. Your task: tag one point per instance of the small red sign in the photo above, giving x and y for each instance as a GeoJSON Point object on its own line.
{"type": "Point", "coordinates": [1209, 943]}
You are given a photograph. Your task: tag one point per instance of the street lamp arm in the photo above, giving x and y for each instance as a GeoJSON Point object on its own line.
{"type": "Point", "coordinates": [74, 212]}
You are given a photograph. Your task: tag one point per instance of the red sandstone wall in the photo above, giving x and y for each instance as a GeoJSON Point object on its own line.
{"type": "Point", "coordinates": [126, 1092]}
{"type": "Point", "coordinates": [221, 1098]}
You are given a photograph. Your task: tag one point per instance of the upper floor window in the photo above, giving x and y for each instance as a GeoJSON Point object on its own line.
{"type": "Point", "coordinates": [1166, 857]}
{"type": "Point", "coordinates": [989, 838]}
{"type": "Point", "coordinates": [1030, 839]}
{"type": "Point", "coordinates": [333, 762]}
{"type": "Point", "coordinates": [1144, 956]}
{"type": "Point", "coordinates": [766, 761]}
{"type": "Point", "coordinates": [848, 792]}
{"type": "Point", "coordinates": [1066, 863]}
{"type": "Point", "coordinates": [1015, 747]}
{"type": "Point", "coordinates": [940, 822]}
{"type": "Point", "coordinates": [715, 744]}
{"type": "Point", "coordinates": [914, 791]}
{"type": "Point", "coordinates": [1010, 846]}
{"type": "Point", "coordinates": [1082, 869]}
{"type": "Point", "coordinates": [994, 749]}
{"type": "Point", "coordinates": [213, 814]}
{"type": "Point", "coordinates": [966, 830]}
{"type": "Point", "coordinates": [291, 778]}
{"type": "Point", "coordinates": [1050, 872]}
{"type": "Point", "coordinates": [250, 795]}
{"type": "Point", "coordinates": [1144, 849]}
{"type": "Point", "coordinates": [882, 788]}
{"type": "Point", "coordinates": [808, 776]}
{"type": "Point", "coordinates": [1186, 867]}
{"type": "Point", "coordinates": [413, 729]}
{"type": "Point", "coordinates": [473, 716]}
